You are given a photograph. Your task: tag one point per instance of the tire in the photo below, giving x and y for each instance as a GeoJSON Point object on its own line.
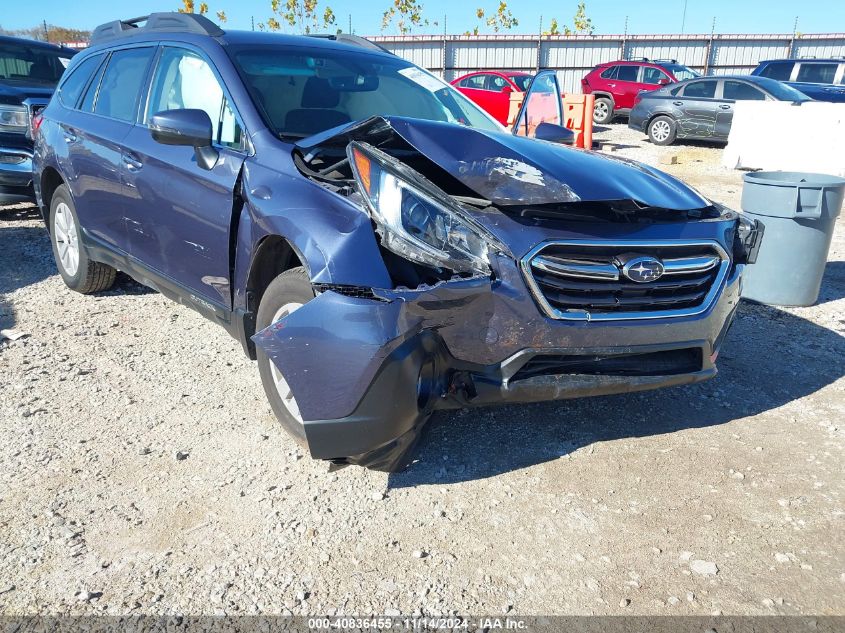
{"type": "Point", "coordinates": [662, 130]}
{"type": "Point", "coordinates": [78, 271]}
{"type": "Point", "coordinates": [291, 288]}
{"type": "Point", "coordinates": [603, 110]}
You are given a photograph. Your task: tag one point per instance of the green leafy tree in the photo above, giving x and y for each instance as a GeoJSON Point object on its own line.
{"type": "Point", "coordinates": [406, 13]}
{"type": "Point", "coordinates": [304, 16]}
{"type": "Point", "coordinates": [554, 28]}
{"type": "Point", "coordinates": [501, 20]}
{"type": "Point", "coordinates": [188, 6]}
{"type": "Point", "coordinates": [582, 25]}
{"type": "Point", "coordinates": [56, 34]}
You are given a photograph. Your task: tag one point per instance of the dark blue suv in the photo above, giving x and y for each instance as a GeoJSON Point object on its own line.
{"type": "Point", "coordinates": [380, 245]}
{"type": "Point", "coordinates": [819, 79]}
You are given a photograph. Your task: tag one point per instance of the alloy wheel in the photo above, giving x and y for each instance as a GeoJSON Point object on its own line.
{"type": "Point", "coordinates": [66, 235]}
{"type": "Point", "coordinates": [660, 130]}
{"type": "Point", "coordinates": [282, 386]}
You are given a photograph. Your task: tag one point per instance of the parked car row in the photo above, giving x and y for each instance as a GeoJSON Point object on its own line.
{"type": "Point", "coordinates": [670, 101]}
{"type": "Point", "coordinates": [379, 244]}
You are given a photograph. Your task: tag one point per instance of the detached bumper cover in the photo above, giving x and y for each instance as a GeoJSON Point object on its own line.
{"type": "Point", "coordinates": [367, 373]}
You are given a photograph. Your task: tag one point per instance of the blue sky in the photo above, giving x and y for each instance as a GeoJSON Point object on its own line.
{"type": "Point", "coordinates": [644, 16]}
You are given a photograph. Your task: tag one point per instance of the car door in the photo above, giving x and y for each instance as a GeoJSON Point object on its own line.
{"type": "Point", "coordinates": [500, 90]}
{"type": "Point", "coordinates": [734, 90]}
{"type": "Point", "coordinates": [816, 80]}
{"type": "Point", "coordinates": [698, 106]}
{"type": "Point", "coordinates": [541, 104]}
{"type": "Point", "coordinates": [94, 134]}
{"type": "Point", "coordinates": [179, 213]}
{"type": "Point", "coordinates": [625, 86]}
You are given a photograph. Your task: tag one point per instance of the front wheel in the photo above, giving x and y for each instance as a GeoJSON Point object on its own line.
{"type": "Point", "coordinates": [78, 272]}
{"type": "Point", "coordinates": [286, 293]}
{"type": "Point", "coordinates": [662, 130]}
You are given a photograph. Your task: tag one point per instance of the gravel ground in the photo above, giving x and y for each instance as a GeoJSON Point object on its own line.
{"type": "Point", "coordinates": [142, 472]}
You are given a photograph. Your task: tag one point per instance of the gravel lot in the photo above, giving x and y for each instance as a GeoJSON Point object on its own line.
{"type": "Point", "coordinates": [141, 471]}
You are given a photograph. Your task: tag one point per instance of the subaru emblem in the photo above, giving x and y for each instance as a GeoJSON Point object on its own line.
{"type": "Point", "coordinates": [643, 269]}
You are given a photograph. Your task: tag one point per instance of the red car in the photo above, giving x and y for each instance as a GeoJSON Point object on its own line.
{"type": "Point", "coordinates": [616, 84]}
{"type": "Point", "coordinates": [491, 90]}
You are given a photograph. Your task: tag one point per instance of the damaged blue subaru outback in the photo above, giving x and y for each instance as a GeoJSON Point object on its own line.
{"type": "Point", "coordinates": [379, 245]}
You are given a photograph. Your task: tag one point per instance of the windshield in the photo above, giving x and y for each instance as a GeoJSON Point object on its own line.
{"type": "Point", "coordinates": [680, 71]}
{"type": "Point", "coordinates": [522, 81]}
{"type": "Point", "coordinates": [303, 92]}
{"type": "Point", "coordinates": [19, 62]}
{"type": "Point", "coordinates": [782, 92]}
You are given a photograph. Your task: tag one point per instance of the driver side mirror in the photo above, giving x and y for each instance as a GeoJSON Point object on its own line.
{"type": "Point", "coordinates": [188, 127]}
{"type": "Point", "coordinates": [554, 134]}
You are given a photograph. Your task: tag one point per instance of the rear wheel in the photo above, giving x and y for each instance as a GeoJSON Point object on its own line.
{"type": "Point", "coordinates": [78, 272]}
{"type": "Point", "coordinates": [603, 110]}
{"type": "Point", "coordinates": [662, 130]}
{"type": "Point", "coordinates": [286, 293]}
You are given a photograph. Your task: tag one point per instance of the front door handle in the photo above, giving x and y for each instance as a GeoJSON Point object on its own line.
{"type": "Point", "coordinates": [724, 106]}
{"type": "Point", "coordinates": [132, 162]}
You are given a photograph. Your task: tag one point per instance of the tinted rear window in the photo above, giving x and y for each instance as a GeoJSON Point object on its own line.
{"type": "Point", "coordinates": [741, 91]}
{"type": "Point", "coordinates": [122, 83]}
{"type": "Point", "coordinates": [816, 73]}
{"type": "Point", "coordinates": [75, 83]}
{"type": "Point", "coordinates": [609, 73]}
{"type": "Point", "coordinates": [31, 64]}
{"type": "Point", "coordinates": [627, 73]}
{"type": "Point", "coordinates": [778, 70]}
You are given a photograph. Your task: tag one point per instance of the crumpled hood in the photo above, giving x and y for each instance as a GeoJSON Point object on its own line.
{"type": "Point", "coordinates": [514, 170]}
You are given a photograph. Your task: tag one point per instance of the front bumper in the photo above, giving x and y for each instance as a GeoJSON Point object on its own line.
{"type": "Point", "coordinates": [368, 371]}
{"type": "Point", "coordinates": [16, 176]}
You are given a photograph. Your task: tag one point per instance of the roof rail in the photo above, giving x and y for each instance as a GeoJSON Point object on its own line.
{"type": "Point", "coordinates": [156, 23]}
{"type": "Point", "coordinates": [638, 59]}
{"type": "Point", "coordinates": [353, 40]}
{"type": "Point", "coordinates": [665, 61]}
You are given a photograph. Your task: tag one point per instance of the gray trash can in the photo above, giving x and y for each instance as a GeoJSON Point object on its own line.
{"type": "Point", "coordinates": [799, 212]}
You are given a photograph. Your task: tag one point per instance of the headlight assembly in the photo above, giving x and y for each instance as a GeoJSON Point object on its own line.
{"type": "Point", "coordinates": [415, 218]}
{"type": "Point", "coordinates": [14, 119]}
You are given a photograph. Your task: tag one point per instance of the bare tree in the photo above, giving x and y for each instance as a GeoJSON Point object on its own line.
{"type": "Point", "coordinates": [500, 20]}
{"type": "Point", "coordinates": [303, 16]}
{"type": "Point", "coordinates": [407, 13]}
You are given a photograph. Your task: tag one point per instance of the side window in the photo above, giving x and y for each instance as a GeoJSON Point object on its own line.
{"type": "Point", "coordinates": [71, 89]}
{"type": "Point", "coordinates": [183, 79]}
{"type": "Point", "coordinates": [778, 70]}
{"type": "Point", "coordinates": [628, 73]}
{"type": "Point", "coordinates": [497, 83]}
{"type": "Point", "coordinates": [674, 91]}
{"type": "Point", "coordinates": [702, 89]}
{"type": "Point", "coordinates": [653, 76]}
{"type": "Point", "coordinates": [122, 81]}
{"type": "Point", "coordinates": [476, 82]}
{"type": "Point", "coordinates": [610, 73]}
{"type": "Point", "coordinates": [87, 104]}
{"type": "Point", "coordinates": [740, 91]}
{"type": "Point", "coordinates": [814, 73]}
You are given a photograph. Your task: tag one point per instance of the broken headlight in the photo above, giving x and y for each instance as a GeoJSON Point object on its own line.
{"type": "Point", "coordinates": [415, 218]}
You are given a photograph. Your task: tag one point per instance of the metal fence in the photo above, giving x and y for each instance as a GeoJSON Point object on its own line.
{"type": "Point", "coordinates": [572, 56]}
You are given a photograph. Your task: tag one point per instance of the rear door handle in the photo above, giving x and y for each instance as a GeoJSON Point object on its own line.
{"type": "Point", "coordinates": [724, 106]}
{"type": "Point", "coordinates": [132, 162]}
{"type": "Point", "coordinates": [678, 103]}
{"type": "Point", "coordinates": [70, 135]}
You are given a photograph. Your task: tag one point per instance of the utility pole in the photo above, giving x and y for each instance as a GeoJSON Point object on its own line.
{"type": "Point", "coordinates": [350, 24]}
{"type": "Point", "coordinates": [623, 44]}
{"type": "Point", "coordinates": [46, 32]}
{"type": "Point", "coordinates": [540, 44]}
{"type": "Point", "coordinates": [252, 20]}
{"type": "Point", "coordinates": [684, 18]}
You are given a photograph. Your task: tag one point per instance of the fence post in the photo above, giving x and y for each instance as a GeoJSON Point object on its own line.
{"type": "Point", "coordinates": [443, 50]}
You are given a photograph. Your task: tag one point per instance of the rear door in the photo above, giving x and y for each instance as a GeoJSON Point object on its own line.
{"type": "Point", "coordinates": [477, 88]}
{"type": "Point", "coordinates": [698, 106]}
{"type": "Point", "coordinates": [625, 86]}
{"type": "Point", "coordinates": [816, 79]}
{"type": "Point", "coordinates": [93, 136]}
{"type": "Point", "coordinates": [179, 214]}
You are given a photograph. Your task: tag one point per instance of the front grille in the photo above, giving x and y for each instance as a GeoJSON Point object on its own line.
{"type": "Point", "coordinates": [587, 280]}
{"type": "Point", "coordinates": [664, 363]}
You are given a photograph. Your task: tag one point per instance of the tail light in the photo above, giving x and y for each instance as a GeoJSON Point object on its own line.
{"type": "Point", "coordinates": [35, 124]}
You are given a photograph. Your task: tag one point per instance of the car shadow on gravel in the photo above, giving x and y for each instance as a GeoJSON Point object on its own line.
{"type": "Point", "coordinates": [833, 283]}
{"type": "Point", "coordinates": [770, 358]}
